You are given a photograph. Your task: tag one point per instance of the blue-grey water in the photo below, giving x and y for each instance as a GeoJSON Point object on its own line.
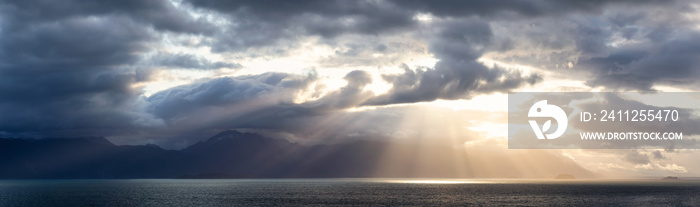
{"type": "Point", "coordinates": [347, 192]}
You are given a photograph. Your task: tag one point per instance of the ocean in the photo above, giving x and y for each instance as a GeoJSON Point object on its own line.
{"type": "Point", "coordinates": [348, 192]}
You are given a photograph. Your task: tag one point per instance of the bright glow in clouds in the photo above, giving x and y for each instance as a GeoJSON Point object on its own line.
{"type": "Point", "coordinates": [298, 61]}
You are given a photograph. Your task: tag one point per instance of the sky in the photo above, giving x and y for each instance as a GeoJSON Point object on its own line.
{"type": "Point", "coordinates": [175, 72]}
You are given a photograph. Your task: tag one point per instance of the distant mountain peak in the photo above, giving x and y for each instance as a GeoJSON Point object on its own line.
{"type": "Point", "coordinates": [94, 140]}
{"type": "Point", "coordinates": [230, 131]}
{"type": "Point", "coordinates": [232, 136]}
{"type": "Point", "coordinates": [228, 134]}
{"type": "Point", "coordinates": [153, 146]}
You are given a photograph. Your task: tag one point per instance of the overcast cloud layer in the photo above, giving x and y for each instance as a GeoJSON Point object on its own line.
{"type": "Point", "coordinates": [78, 68]}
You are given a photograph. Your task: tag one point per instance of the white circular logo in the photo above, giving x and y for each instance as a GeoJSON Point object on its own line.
{"type": "Point", "coordinates": [542, 109]}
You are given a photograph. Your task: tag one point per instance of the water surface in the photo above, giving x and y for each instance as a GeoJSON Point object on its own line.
{"type": "Point", "coordinates": [346, 192]}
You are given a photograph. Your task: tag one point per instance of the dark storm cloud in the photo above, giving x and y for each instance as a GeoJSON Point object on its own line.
{"type": "Point", "coordinates": [161, 14]}
{"type": "Point", "coordinates": [671, 61]}
{"type": "Point", "coordinates": [318, 17]}
{"type": "Point", "coordinates": [68, 75]}
{"type": "Point", "coordinates": [639, 48]}
{"type": "Point", "coordinates": [68, 66]}
{"type": "Point", "coordinates": [72, 44]}
{"type": "Point", "coordinates": [265, 23]}
{"type": "Point", "coordinates": [460, 80]}
{"type": "Point", "coordinates": [528, 8]}
{"type": "Point", "coordinates": [264, 90]}
{"type": "Point", "coordinates": [457, 74]}
{"type": "Point", "coordinates": [620, 48]}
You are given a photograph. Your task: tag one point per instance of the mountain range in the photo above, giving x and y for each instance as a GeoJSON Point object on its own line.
{"type": "Point", "coordinates": [233, 154]}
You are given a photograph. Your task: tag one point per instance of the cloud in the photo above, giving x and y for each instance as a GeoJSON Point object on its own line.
{"type": "Point", "coordinates": [160, 14]}
{"type": "Point", "coordinates": [261, 23]}
{"type": "Point", "coordinates": [457, 74]}
{"type": "Point", "coordinates": [69, 67]}
{"type": "Point", "coordinates": [224, 93]}
{"type": "Point", "coordinates": [633, 156]}
{"type": "Point", "coordinates": [78, 44]}
{"type": "Point", "coordinates": [657, 155]}
{"type": "Point", "coordinates": [69, 77]}
{"type": "Point", "coordinates": [671, 61]}
{"type": "Point", "coordinates": [372, 51]}
{"type": "Point", "coordinates": [188, 61]}
{"type": "Point", "coordinates": [351, 95]}
{"type": "Point", "coordinates": [634, 47]}
{"type": "Point", "coordinates": [530, 8]}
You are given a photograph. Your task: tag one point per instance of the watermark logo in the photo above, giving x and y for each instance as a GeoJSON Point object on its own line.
{"type": "Point", "coordinates": [543, 110]}
{"type": "Point", "coordinates": [603, 120]}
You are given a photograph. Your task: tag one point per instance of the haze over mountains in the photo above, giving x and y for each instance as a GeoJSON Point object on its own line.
{"type": "Point", "coordinates": [232, 154]}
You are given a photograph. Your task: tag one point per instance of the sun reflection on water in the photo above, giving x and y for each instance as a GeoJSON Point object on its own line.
{"type": "Point", "coordinates": [434, 181]}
